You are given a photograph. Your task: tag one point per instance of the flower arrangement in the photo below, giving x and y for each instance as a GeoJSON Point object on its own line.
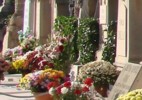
{"type": "Point", "coordinates": [102, 72]}
{"type": "Point", "coordinates": [72, 90]}
{"type": "Point", "coordinates": [27, 40]}
{"type": "Point", "coordinates": [132, 95]}
{"type": "Point", "coordinates": [11, 54]}
{"type": "Point", "coordinates": [31, 61]}
{"type": "Point", "coordinates": [42, 81]}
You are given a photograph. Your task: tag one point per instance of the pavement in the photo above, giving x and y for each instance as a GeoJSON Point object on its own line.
{"type": "Point", "coordinates": [10, 91]}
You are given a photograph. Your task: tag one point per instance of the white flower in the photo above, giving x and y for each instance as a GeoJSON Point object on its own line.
{"type": "Point", "coordinates": [38, 48]}
{"type": "Point", "coordinates": [51, 91]}
{"type": "Point", "coordinates": [64, 90]}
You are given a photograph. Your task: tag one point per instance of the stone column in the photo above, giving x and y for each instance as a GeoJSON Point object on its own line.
{"type": "Point", "coordinates": [15, 24]}
{"type": "Point", "coordinates": [129, 32]}
{"type": "Point", "coordinates": [103, 19]}
{"type": "Point", "coordinates": [44, 19]}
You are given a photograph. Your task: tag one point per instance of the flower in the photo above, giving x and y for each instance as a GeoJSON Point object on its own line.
{"type": "Point", "coordinates": [88, 81]}
{"type": "Point", "coordinates": [67, 84]}
{"type": "Point", "coordinates": [27, 40]}
{"type": "Point", "coordinates": [64, 90]}
{"type": "Point", "coordinates": [72, 91]}
{"type": "Point", "coordinates": [41, 81]}
{"type": "Point", "coordinates": [102, 73]}
{"type": "Point", "coordinates": [51, 91]}
{"type": "Point", "coordinates": [132, 95]}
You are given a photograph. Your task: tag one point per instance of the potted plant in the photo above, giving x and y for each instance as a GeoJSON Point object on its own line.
{"type": "Point", "coordinates": [41, 81]}
{"type": "Point", "coordinates": [102, 72]}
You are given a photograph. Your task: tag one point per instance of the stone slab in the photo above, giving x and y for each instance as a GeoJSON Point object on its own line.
{"type": "Point", "coordinates": [129, 79]}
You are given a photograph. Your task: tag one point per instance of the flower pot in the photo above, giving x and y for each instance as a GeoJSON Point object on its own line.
{"type": "Point", "coordinates": [102, 90]}
{"type": "Point", "coordinates": [43, 96]}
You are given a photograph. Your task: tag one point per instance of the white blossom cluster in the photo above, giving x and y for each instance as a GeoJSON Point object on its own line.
{"type": "Point", "coordinates": [101, 71]}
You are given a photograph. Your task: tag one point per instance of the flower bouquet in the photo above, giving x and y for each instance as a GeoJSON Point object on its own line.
{"type": "Point", "coordinates": [72, 90]}
{"type": "Point", "coordinates": [102, 72]}
{"type": "Point", "coordinates": [132, 95]}
{"type": "Point", "coordinates": [11, 54]}
{"type": "Point", "coordinates": [27, 40]}
{"type": "Point", "coordinates": [41, 81]}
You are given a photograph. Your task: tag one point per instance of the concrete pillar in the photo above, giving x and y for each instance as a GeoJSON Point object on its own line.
{"type": "Point", "coordinates": [44, 19]}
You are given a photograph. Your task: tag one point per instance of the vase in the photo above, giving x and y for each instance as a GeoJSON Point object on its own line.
{"type": "Point", "coordinates": [43, 96]}
{"type": "Point", "coordinates": [102, 90]}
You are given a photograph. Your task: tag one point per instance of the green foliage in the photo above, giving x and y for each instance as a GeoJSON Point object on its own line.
{"type": "Point", "coordinates": [88, 39]}
{"type": "Point", "coordinates": [67, 27]}
{"type": "Point", "coordinates": [110, 45]}
{"type": "Point", "coordinates": [83, 40]}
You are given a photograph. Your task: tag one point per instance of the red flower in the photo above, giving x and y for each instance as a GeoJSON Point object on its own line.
{"type": "Point", "coordinates": [52, 84]}
{"type": "Point", "coordinates": [51, 65]}
{"type": "Point", "coordinates": [78, 92]}
{"type": "Point", "coordinates": [62, 40]}
{"type": "Point", "coordinates": [85, 89]}
{"type": "Point", "coordinates": [60, 48]}
{"type": "Point", "coordinates": [88, 81]}
{"type": "Point", "coordinates": [58, 89]}
{"type": "Point", "coordinates": [56, 77]}
{"type": "Point", "coordinates": [67, 84]}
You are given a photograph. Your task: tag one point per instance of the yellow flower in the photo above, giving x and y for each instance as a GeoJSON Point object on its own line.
{"type": "Point", "coordinates": [18, 64]}
{"type": "Point", "coordinates": [61, 73]}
